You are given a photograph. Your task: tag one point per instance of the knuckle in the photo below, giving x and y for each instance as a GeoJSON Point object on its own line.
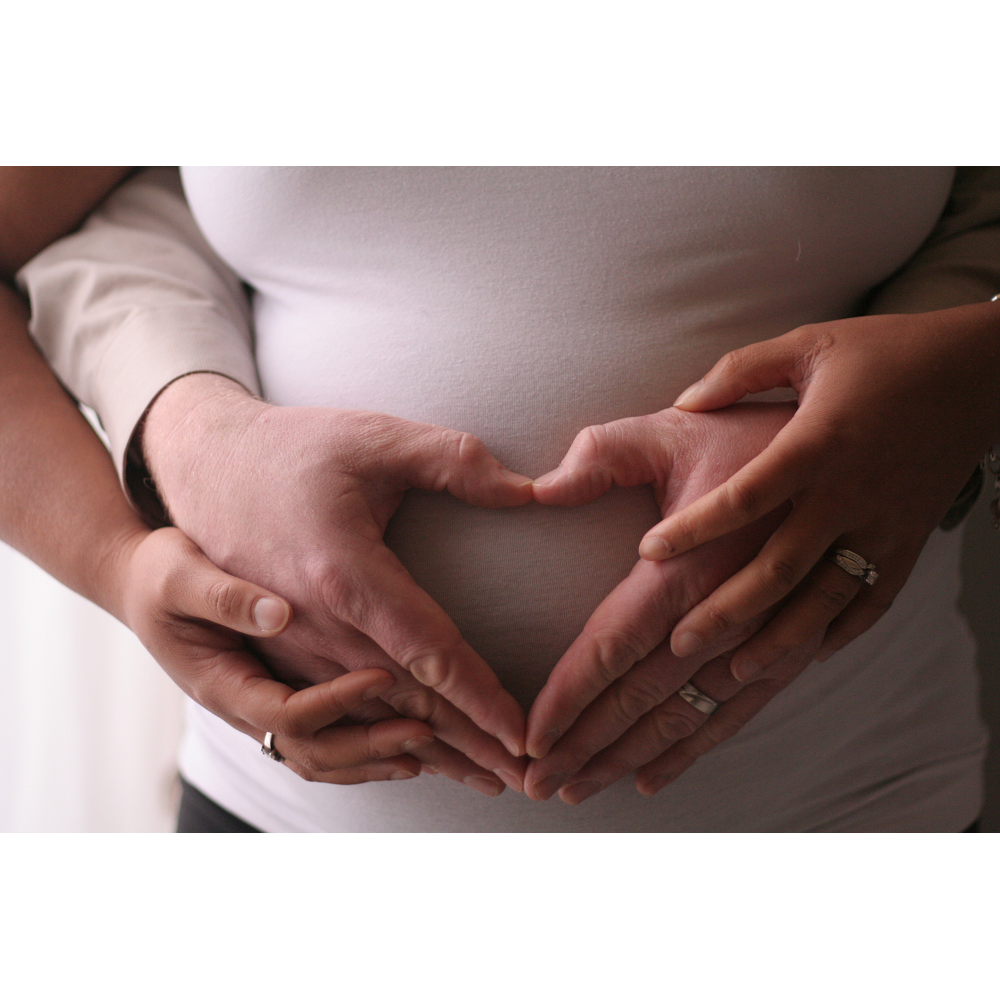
{"type": "Point", "coordinates": [224, 599]}
{"type": "Point", "coordinates": [742, 499]}
{"type": "Point", "coordinates": [671, 723]}
{"type": "Point", "coordinates": [357, 776]}
{"type": "Point", "coordinates": [373, 749]}
{"type": "Point", "coordinates": [590, 444]}
{"type": "Point", "coordinates": [209, 699]}
{"type": "Point", "coordinates": [779, 572]}
{"type": "Point", "coordinates": [414, 702]}
{"type": "Point", "coordinates": [834, 597]}
{"type": "Point", "coordinates": [615, 649]}
{"type": "Point", "coordinates": [634, 697]}
{"type": "Point", "coordinates": [470, 450]}
{"type": "Point", "coordinates": [308, 757]}
{"type": "Point", "coordinates": [731, 365]}
{"type": "Point", "coordinates": [817, 338]}
{"type": "Point", "coordinates": [336, 591]}
{"type": "Point", "coordinates": [721, 621]}
{"type": "Point", "coordinates": [291, 727]}
{"type": "Point", "coordinates": [436, 668]}
{"type": "Point", "coordinates": [273, 718]}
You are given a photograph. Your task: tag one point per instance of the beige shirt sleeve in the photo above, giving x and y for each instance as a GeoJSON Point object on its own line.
{"type": "Point", "coordinates": [137, 298]}
{"type": "Point", "coordinates": [134, 300]}
{"type": "Point", "coordinates": [959, 263]}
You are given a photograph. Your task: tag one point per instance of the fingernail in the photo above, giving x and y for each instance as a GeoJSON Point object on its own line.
{"type": "Point", "coordinates": [685, 644]}
{"type": "Point", "coordinates": [483, 785]}
{"type": "Point", "coordinates": [513, 747]}
{"type": "Point", "coordinates": [517, 479]}
{"type": "Point", "coordinates": [427, 769]}
{"type": "Point", "coordinates": [547, 788]}
{"type": "Point", "coordinates": [549, 477]}
{"type": "Point", "coordinates": [545, 744]}
{"type": "Point", "coordinates": [377, 689]}
{"type": "Point", "coordinates": [416, 743]}
{"type": "Point", "coordinates": [690, 393]}
{"type": "Point", "coordinates": [401, 775]}
{"type": "Point", "coordinates": [746, 670]}
{"type": "Point", "coordinates": [654, 548]}
{"type": "Point", "coordinates": [269, 614]}
{"type": "Point", "coordinates": [574, 794]}
{"type": "Point", "coordinates": [510, 780]}
{"type": "Point", "coordinates": [657, 784]}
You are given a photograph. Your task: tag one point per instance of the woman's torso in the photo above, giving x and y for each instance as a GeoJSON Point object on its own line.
{"type": "Point", "coordinates": [523, 304]}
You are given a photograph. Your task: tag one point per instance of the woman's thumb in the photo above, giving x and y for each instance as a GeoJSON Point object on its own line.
{"type": "Point", "coordinates": [210, 594]}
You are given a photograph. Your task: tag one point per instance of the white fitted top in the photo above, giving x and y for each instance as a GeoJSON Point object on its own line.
{"type": "Point", "coordinates": [523, 304]}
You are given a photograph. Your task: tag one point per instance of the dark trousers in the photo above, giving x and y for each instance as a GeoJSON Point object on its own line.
{"type": "Point", "coordinates": [199, 814]}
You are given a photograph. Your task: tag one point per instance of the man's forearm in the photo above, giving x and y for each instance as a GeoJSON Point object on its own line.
{"type": "Point", "coordinates": [134, 300]}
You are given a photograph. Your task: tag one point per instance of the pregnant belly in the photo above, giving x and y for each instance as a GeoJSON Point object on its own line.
{"type": "Point", "coordinates": [520, 584]}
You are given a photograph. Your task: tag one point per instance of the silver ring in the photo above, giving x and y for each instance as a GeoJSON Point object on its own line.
{"type": "Point", "coordinates": [697, 699]}
{"type": "Point", "coordinates": [851, 562]}
{"type": "Point", "coordinates": [268, 750]}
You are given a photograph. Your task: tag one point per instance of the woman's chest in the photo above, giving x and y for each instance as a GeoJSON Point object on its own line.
{"type": "Point", "coordinates": [523, 303]}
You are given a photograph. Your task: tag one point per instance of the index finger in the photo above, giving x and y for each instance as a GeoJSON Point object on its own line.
{"type": "Point", "coordinates": [626, 626]}
{"type": "Point", "coordinates": [604, 720]}
{"type": "Point", "coordinates": [630, 623]}
{"type": "Point", "coordinates": [381, 599]}
{"type": "Point", "coordinates": [761, 486]}
{"type": "Point", "coordinates": [725, 723]}
{"type": "Point", "coordinates": [664, 725]}
{"type": "Point", "coordinates": [238, 687]}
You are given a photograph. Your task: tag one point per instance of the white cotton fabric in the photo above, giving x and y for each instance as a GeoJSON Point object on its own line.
{"type": "Point", "coordinates": [523, 304]}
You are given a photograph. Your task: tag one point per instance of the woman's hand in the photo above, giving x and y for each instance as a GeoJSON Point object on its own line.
{"type": "Point", "coordinates": [619, 678]}
{"type": "Point", "coordinates": [297, 499]}
{"type": "Point", "coordinates": [894, 414]}
{"type": "Point", "coordinates": [669, 738]}
{"type": "Point", "coordinates": [190, 616]}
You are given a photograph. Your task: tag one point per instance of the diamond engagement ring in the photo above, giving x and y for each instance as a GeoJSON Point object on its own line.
{"type": "Point", "coordinates": [696, 699]}
{"type": "Point", "coordinates": [268, 750]}
{"type": "Point", "coordinates": [851, 562]}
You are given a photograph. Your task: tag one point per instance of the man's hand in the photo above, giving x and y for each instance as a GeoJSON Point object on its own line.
{"type": "Point", "coordinates": [620, 671]}
{"type": "Point", "coordinates": [297, 499]}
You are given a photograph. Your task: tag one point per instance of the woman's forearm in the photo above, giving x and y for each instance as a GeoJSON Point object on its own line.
{"type": "Point", "coordinates": [60, 502]}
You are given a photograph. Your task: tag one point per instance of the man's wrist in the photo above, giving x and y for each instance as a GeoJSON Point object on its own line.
{"type": "Point", "coordinates": [183, 406]}
{"type": "Point", "coordinates": [184, 426]}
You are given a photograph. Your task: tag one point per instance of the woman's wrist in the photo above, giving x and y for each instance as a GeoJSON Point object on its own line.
{"type": "Point", "coordinates": [112, 568]}
{"type": "Point", "coordinates": [982, 322]}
